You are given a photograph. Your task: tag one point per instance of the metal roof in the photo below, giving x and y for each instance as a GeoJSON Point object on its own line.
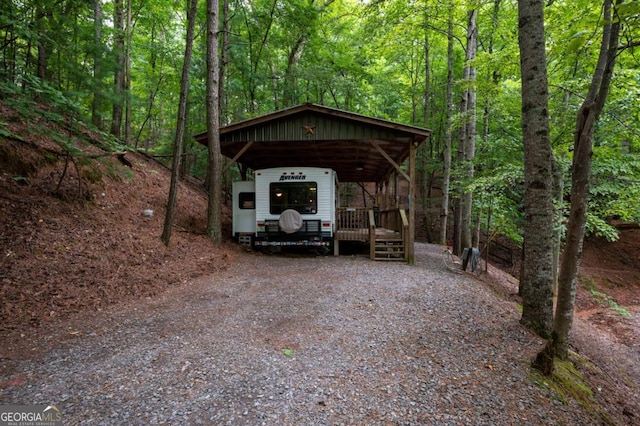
{"type": "Point", "coordinates": [357, 147]}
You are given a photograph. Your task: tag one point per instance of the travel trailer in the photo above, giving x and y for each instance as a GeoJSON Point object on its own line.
{"type": "Point", "coordinates": [286, 206]}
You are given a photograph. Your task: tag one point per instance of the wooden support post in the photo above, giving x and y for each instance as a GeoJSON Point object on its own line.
{"type": "Point", "coordinates": [396, 191]}
{"type": "Point", "coordinates": [409, 250]}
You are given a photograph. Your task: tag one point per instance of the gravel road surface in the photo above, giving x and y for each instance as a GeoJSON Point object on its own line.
{"type": "Point", "coordinates": [297, 340]}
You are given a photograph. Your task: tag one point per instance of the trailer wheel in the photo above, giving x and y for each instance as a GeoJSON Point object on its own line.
{"type": "Point", "coordinates": [290, 221]}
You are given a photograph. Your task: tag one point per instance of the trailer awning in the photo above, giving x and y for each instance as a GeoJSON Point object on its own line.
{"type": "Point", "coordinates": [357, 147]}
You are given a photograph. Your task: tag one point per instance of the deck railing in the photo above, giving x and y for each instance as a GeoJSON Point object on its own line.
{"type": "Point", "coordinates": [352, 223]}
{"type": "Point", "coordinates": [357, 221]}
{"type": "Point", "coordinates": [367, 224]}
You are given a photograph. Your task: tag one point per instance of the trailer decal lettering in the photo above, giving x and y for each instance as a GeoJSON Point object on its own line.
{"type": "Point", "coordinates": [292, 177]}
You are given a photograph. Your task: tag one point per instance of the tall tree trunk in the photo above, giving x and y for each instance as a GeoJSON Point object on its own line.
{"type": "Point", "coordinates": [466, 231]}
{"type": "Point", "coordinates": [42, 17]}
{"type": "Point", "coordinates": [180, 124]}
{"type": "Point", "coordinates": [295, 53]}
{"type": "Point", "coordinates": [96, 117]}
{"type": "Point", "coordinates": [127, 76]}
{"type": "Point", "coordinates": [581, 171]}
{"type": "Point", "coordinates": [224, 60]}
{"type": "Point", "coordinates": [537, 278]}
{"type": "Point", "coordinates": [446, 161]}
{"type": "Point", "coordinates": [427, 173]}
{"type": "Point", "coordinates": [214, 222]}
{"type": "Point", "coordinates": [150, 117]}
{"type": "Point", "coordinates": [118, 78]}
{"type": "Point", "coordinates": [427, 70]}
{"type": "Point", "coordinates": [460, 156]}
{"type": "Point", "coordinates": [558, 199]}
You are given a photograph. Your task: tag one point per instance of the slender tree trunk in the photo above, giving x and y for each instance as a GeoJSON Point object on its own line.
{"type": "Point", "coordinates": [558, 191]}
{"type": "Point", "coordinates": [42, 17]}
{"type": "Point", "coordinates": [150, 117]}
{"type": "Point", "coordinates": [581, 171]}
{"type": "Point", "coordinates": [427, 174]}
{"type": "Point", "coordinates": [118, 78]}
{"type": "Point", "coordinates": [96, 117]}
{"type": "Point", "coordinates": [495, 75]}
{"type": "Point", "coordinates": [181, 123]}
{"type": "Point", "coordinates": [214, 223]}
{"type": "Point", "coordinates": [127, 76]}
{"type": "Point", "coordinates": [460, 156]}
{"type": "Point", "coordinates": [466, 231]}
{"type": "Point", "coordinates": [537, 278]}
{"type": "Point", "coordinates": [427, 70]}
{"type": "Point", "coordinates": [446, 161]}
{"type": "Point", "coordinates": [224, 60]}
{"type": "Point", "coordinates": [295, 53]}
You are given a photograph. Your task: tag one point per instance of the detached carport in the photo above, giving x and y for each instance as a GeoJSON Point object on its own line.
{"type": "Point", "coordinates": [360, 149]}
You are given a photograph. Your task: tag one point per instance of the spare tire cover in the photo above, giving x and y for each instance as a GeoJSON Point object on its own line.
{"type": "Point", "coordinates": [290, 221]}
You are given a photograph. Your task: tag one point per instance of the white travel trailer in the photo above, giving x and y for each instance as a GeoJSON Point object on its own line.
{"type": "Point", "coordinates": [286, 206]}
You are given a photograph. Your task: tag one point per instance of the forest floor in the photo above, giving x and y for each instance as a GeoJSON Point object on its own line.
{"type": "Point", "coordinates": [83, 239]}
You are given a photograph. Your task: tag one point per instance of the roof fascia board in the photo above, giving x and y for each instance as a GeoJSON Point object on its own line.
{"type": "Point", "coordinates": [331, 112]}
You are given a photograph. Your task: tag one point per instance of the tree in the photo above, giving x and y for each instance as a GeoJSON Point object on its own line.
{"type": "Point", "coordinates": [181, 123]}
{"type": "Point", "coordinates": [214, 211]}
{"type": "Point", "coordinates": [43, 15]}
{"type": "Point", "coordinates": [537, 279]}
{"type": "Point", "coordinates": [126, 85]}
{"type": "Point", "coordinates": [224, 61]}
{"type": "Point", "coordinates": [119, 71]}
{"type": "Point", "coordinates": [444, 213]}
{"type": "Point", "coordinates": [468, 141]}
{"type": "Point", "coordinates": [580, 175]}
{"type": "Point", "coordinates": [96, 104]}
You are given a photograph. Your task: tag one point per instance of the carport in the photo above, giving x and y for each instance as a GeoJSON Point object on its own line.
{"type": "Point", "coordinates": [359, 148]}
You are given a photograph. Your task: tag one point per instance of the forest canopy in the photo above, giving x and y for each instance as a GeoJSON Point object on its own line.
{"type": "Point", "coordinates": [116, 64]}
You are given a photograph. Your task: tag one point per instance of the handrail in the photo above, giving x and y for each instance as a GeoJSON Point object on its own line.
{"type": "Point", "coordinates": [351, 217]}
{"type": "Point", "coordinates": [372, 235]}
{"type": "Point", "coordinates": [405, 221]}
{"type": "Point", "coordinates": [404, 233]}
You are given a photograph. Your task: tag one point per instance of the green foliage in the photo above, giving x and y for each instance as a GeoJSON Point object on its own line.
{"type": "Point", "coordinates": [606, 300]}
{"type": "Point", "coordinates": [603, 299]}
{"type": "Point", "coordinates": [367, 57]}
{"type": "Point", "coordinates": [568, 383]}
{"type": "Point", "coordinates": [3, 129]}
{"type": "Point", "coordinates": [600, 228]}
{"type": "Point", "coordinates": [288, 352]}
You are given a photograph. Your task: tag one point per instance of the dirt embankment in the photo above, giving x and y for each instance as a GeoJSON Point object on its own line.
{"type": "Point", "coordinates": [81, 235]}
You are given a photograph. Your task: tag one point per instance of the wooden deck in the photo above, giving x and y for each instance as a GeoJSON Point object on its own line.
{"type": "Point", "coordinates": [362, 234]}
{"type": "Point", "coordinates": [385, 244]}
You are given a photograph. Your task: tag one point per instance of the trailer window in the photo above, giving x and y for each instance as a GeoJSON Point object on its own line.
{"type": "Point", "coordinates": [247, 200]}
{"type": "Point", "coordinates": [300, 196]}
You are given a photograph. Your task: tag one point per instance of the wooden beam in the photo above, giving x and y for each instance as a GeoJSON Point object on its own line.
{"type": "Point", "coordinates": [234, 159]}
{"type": "Point", "coordinates": [389, 159]}
{"type": "Point", "coordinates": [410, 249]}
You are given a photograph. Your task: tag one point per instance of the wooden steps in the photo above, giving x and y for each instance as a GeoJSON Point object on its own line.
{"type": "Point", "coordinates": [389, 249]}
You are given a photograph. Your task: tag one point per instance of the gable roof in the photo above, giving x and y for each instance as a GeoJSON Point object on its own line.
{"type": "Point", "coordinates": [357, 147]}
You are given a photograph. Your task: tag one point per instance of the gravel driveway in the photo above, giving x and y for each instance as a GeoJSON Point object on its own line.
{"type": "Point", "coordinates": [283, 340]}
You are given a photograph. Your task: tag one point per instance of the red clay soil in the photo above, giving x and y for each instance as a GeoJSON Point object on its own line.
{"type": "Point", "coordinates": [68, 246]}
{"type": "Point", "coordinates": [609, 293]}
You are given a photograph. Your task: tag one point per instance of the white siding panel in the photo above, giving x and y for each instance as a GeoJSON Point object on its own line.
{"type": "Point", "coordinates": [325, 178]}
